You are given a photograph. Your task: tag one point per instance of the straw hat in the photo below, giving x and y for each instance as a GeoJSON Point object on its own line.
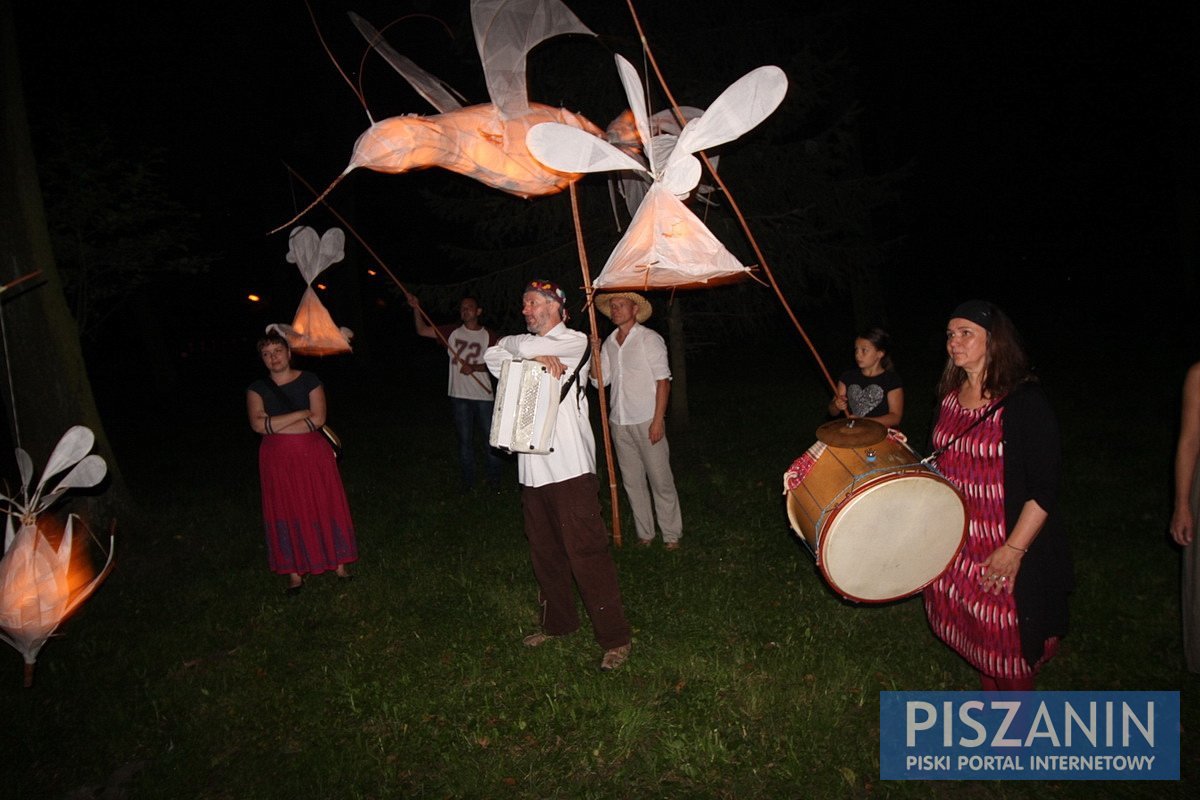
{"type": "Point", "coordinates": [604, 304]}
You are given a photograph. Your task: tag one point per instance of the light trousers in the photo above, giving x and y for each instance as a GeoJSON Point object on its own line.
{"type": "Point", "coordinates": [646, 472]}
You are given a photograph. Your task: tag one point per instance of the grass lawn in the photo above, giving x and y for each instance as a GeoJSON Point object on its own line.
{"type": "Point", "coordinates": [190, 675]}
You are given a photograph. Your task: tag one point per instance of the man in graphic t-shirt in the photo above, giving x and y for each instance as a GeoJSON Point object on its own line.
{"type": "Point", "coordinates": [470, 386]}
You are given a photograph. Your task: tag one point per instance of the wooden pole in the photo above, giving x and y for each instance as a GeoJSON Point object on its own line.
{"type": "Point", "coordinates": [595, 340]}
{"type": "Point", "coordinates": [19, 281]}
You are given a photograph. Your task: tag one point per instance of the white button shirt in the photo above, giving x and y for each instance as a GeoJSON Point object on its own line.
{"type": "Point", "coordinates": [633, 369]}
{"type": "Point", "coordinates": [574, 446]}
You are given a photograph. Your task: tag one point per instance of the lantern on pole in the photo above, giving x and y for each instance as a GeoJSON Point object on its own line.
{"type": "Point", "coordinates": [37, 587]}
{"type": "Point", "coordinates": [485, 142]}
{"type": "Point", "coordinates": [666, 246]}
{"type": "Point", "coordinates": [313, 331]}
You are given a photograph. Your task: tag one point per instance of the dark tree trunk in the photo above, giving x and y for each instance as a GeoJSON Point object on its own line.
{"type": "Point", "coordinates": [678, 411]}
{"type": "Point", "coordinates": [48, 376]}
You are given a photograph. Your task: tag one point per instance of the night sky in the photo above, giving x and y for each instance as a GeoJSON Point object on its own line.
{"type": "Point", "coordinates": [1054, 156]}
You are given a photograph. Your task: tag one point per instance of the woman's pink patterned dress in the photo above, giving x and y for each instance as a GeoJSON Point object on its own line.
{"type": "Point", "coordinates": [980, 626]}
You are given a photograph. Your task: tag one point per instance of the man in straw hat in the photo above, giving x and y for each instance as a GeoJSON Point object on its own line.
{"type": "Point", "coordinates": [634, 362]}
{"type": "Point", "coordinates": [568, 542]}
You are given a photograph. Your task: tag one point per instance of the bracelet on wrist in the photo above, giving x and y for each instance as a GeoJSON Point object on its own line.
{"type": "Point", "coordinates": [1018, 549]}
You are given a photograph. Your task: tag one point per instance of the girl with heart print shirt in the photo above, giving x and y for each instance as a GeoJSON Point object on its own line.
{"type": "Point", "coordinates": [873, 389]}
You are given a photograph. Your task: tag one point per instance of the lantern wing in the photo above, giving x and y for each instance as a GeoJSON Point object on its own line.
{"type": "Point", "coordinates": [637, 105]}
{"type": "Point", "coordinates": [440, 94]}
{"type": "Point", "coordinates": [742, 106]}
{"type": "Point", "coordinates": [73, 445]}
{"type": "Point", "coordinates": [332, 250]}
{"type": "Point", "coordinates": [747, 102]}
{"type": "Point", "coordinates": [302, 242]}
{"type": "Point", "coordinates": [87, 473]}
{"type": "Point", "coordinates": [25, 466]}
{"type": "Point", "coordinates": [567, 149]}
{"type": "Point", "coordinates": [505, 32]}
{"type": "Point", "coordinates": [313, 254]}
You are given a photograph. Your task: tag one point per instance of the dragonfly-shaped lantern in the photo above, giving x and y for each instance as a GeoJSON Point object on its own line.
{"type": "Point", "coordinates": [666, 245]}
{"type": "Point", "coordinates": [37, 589]}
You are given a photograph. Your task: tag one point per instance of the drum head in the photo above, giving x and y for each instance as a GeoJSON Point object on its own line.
{"type": "Point", "coordinates": [892, 538]}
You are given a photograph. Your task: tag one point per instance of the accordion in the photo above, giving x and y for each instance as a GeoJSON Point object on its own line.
{"type": "Point", "coordinates": [526, 408]}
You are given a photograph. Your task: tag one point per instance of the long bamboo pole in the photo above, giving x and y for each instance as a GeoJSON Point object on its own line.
{"type": "Point", "coordinates": [595, 341]}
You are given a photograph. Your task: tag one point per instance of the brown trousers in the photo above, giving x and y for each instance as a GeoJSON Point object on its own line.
{"type": "Point", "coordinates": [569, 542]}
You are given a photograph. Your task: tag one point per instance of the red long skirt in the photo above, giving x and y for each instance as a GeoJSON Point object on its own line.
{"type": "Point", "coordinates": [305, 512]}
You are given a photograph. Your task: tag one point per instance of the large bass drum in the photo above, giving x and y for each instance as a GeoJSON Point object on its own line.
{"type": "Point", "coordinates": [881, 525]}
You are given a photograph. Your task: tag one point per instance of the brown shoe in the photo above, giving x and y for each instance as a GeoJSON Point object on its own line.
{"type": "Point", "coordinates": [537, 639]}
{"type": "Point", "coordinates": [614, 658]}
{"type": "Point", "coordinates": [672, 545]}
{"type": "Point", "coordinates": [644, 542]}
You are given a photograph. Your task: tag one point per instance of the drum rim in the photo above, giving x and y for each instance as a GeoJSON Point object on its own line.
{"type": "Point", "coordinates": [831, 517]}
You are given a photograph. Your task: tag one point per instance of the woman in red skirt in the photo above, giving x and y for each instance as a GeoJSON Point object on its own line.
{"type": "Point", "coordinates": [1002, 603]}
{"type": "Point", "coordinates": [307, 519]}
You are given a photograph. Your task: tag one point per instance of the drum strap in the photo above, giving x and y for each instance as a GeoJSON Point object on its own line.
{"type": "Point", "coordinates": [932, 457]}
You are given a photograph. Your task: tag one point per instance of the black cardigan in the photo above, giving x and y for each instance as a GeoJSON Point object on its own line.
{"type": "Point", "coordinates": [1032, 466]}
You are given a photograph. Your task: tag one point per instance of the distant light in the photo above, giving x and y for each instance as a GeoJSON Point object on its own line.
{"type": "Point", "coordinates": [321, 286]}
{"type": "Point", "coordinates": [253, 298]}
{"type": "Point", "coordinates": [372, 273]}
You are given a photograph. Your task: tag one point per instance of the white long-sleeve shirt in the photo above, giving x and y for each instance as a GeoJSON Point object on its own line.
{"type": "Point", "coordinates": [633, 369]}
{"type": "Point", "coordinates": [574, 452]}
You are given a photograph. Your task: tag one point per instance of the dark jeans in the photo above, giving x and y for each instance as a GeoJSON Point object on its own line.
{"type": "Point", "coordinates": [471, 416]}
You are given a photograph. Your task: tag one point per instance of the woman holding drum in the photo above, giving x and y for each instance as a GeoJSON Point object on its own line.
{"type": "Point", "coordinates": [1002, 603]}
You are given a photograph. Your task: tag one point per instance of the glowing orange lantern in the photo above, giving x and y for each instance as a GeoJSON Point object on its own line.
{"type": "Point", "coordinates": [666, 245]}
{"type": "Point", "coordinates": [313, 331]}
{"type": "Point", "coordinates": [37, 587]}
{"type": "Point", "coordinates": [487, 141]}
